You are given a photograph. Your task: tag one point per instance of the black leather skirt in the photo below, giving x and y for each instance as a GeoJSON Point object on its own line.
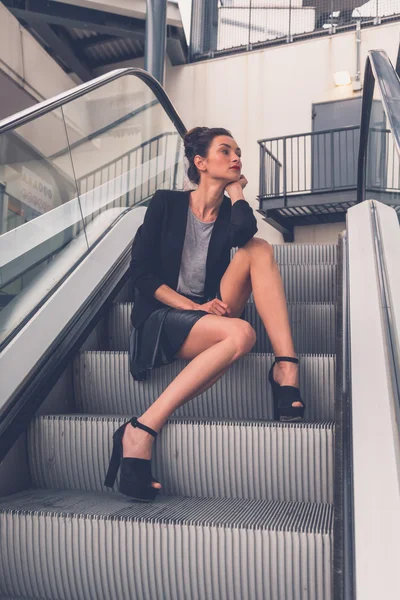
{"type": "Point", "coordinates": [160, 336]}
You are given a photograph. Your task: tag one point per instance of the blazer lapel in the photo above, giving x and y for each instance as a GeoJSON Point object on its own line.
{"type": "Point", "coordinates": [178, 239]}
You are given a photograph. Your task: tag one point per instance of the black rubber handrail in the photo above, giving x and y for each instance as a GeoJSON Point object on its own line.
{"type": "Point", "coordinates": [378, 70]}
{"type": "Point", "coordinates": [42, 108]}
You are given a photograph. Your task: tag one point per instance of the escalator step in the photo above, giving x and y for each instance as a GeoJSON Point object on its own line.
{"type": "Point", "coordinates": [302, 254]}
{"type": "Point", "coordinates": [22, 598]}
{"type": "Point", "coordinates": [104, 385]}
{"type": "Point", "coordinates": [302, 283]}
{"type": "Point", "coordinates": [85, 545]}
{"type": "Point", "coordinates": [313, 327]}
{"type": "Point", "coordinates": [235, 459]}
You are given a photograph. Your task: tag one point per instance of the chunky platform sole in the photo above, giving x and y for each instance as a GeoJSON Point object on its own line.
{"type": "Point", "coordinates": [135, 477]}
{"type": "Point", "coordinates": [285, 395]}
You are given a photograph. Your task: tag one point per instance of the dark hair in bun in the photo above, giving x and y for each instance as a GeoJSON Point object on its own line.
{"type": "Point", "coordinates": [198, 141]}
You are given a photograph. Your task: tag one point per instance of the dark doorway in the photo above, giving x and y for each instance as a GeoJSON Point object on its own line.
{"type": "Point", "coordinates": [335, 153]}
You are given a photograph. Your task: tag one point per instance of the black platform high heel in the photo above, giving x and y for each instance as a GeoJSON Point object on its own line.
{"type": "Point", "coordinates": [135, 478]}
{"type": "Point", "coordinates": [285, 395]}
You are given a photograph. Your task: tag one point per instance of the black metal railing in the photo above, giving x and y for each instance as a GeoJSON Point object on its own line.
{"type": "Point", "coordinates": [307, 163]}
{"type": "Point", "coordinates": [221, 27]}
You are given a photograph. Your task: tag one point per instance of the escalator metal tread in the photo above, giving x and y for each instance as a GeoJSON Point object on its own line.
{"type": "Point", "coordinates": [305, 517]}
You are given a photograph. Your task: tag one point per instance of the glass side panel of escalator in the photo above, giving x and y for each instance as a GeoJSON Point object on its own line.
{"type": "Point", "coordinates": [66, 176]}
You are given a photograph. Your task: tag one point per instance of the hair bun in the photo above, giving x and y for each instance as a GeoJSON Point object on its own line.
{"type": "Point", "coordinates": [197, 141]}
{"type": "Point", "coordinates": [191, 139]}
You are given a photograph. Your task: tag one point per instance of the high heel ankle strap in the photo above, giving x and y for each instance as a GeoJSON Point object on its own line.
{"type": "Point", "coordinates": [286, 359]}
{"type": "Point", "coordinates": [135, 423]}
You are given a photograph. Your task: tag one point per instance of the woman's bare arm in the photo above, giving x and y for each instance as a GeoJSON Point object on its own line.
{"type": "Point", "coordinates": [168, 296]}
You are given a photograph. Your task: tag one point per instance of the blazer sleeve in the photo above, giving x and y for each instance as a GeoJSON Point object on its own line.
{"type": "Point", "coordinates": [145, 255]}
{"type": "Point", "coordinates": [243, 223]}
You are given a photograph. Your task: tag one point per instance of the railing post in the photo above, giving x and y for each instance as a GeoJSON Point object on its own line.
{"type": "Point", "coordinates": [333, 161]}
{"type": "Point", "coordinates": [128, 180]}
{"type": "Point", "coordinates": [284, 172]}
{"type": "Point", "coordinates": [262, 170]}
{"type": "Point", "coordinates": [289, 37]}
{"type": "Point", "coordinates": [277, 176]}
{"type": "Point", "coordinates": [177, 161]}
{"type": "Point", "coordinates": [3, 208]}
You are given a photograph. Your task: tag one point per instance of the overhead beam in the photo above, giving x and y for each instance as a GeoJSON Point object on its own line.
{"type": "Point", "coordinates": [108, 27]}
{"type": "Point", "coordinates": [74, 17]}
{"type": "Point", "coordinates": [177, 48]}
{"type": "Point", "coordinates": [129, 8]}
{"type": "Point", "coordinates": [62, 50]}
{"type": "Point", "coordinates": [97, 40]}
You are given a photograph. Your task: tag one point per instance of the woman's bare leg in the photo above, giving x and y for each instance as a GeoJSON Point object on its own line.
{"type": "Point", "coordinates": [255, 263]}
{"type": "Point", "coordinates": [210, 363]}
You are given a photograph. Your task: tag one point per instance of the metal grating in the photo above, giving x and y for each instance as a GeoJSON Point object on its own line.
{"type": "Point", "coordinates": [114, 51]}
{"type": "Point", "coordinates": [302, 282]}
{"type": "Point", "coordinates": [285, 254]}
{"type": "Point", "coordinates": [313, 327]}
{"type": "Point", "coordinates": [200, 548]}
{"type": "Point", "coordinates": [227, 459]}
{"type": "Point", "coordinates": [22, 598]}
{"type": "Point", "coordinates": [246, 506]}
{"type": "Point", "coordinates": [298, 254]}
{"type": "Point", "coordinates": [104, 385]}
{"type": "Point", "coordinates": [308, 283]}
{"type": "Point", "coordinates": [306, 517]}
{"type": "Point", "coordinates": [311, 215]}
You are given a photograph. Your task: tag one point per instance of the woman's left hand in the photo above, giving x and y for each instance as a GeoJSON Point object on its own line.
{"type": "Point", "coordinates": [236, 186]}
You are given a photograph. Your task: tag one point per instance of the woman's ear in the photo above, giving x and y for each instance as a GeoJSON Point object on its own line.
{"type": "Point", "coordinates": [199, 162]}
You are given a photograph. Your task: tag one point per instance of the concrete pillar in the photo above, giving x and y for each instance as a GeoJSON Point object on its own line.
{"type": "Point", "coordinates": [204, 27]}
{"type": "Point", "coordinates": [156, 38]}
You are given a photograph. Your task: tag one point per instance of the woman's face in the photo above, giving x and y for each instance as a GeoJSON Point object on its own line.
{"type": "Point", "coordinates": [223, 160]}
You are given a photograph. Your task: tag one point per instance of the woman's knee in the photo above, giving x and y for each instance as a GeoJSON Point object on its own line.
{"type": "Point", "coordinates": [211, 329]}
{"type": "Point", "coordinates": [243, 335]}
{"type": "Point", "coordinates": [260, 246]}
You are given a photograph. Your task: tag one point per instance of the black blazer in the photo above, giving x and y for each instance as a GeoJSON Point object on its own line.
{"type": "Point", "coordinates": [158, 244]}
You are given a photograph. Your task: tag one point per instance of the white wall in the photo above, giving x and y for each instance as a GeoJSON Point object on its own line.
{"type": "Point", "coordinates": [318, 234]}
{"type": "Point", "coordinates": [270, 92]}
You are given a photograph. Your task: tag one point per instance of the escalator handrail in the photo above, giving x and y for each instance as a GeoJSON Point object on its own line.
{"type": "Point", "coordinates": [42, 108]}
{"type": "Point", "coordinates": [378, 69]}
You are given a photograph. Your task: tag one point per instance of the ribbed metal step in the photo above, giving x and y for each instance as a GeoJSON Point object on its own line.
{"type": "Point", "coordinates": [234, 459]}
{"type": "Point", "coordinates": [22, 598]}
{"type": "Point", "coordinates": [308, 283]}
{"type": "Point", "coordinates": [104, 385]}
{"type": "Point", "coordinates": [313, 327]}
{"type": "Point", "coordinates": [302, 283]}
{"type": "Point", "coordinates": [77, 545]}
{"type": "Point", "coordinates": [301, 254]}
{"type": "Point", "coordinates": [285, 254]}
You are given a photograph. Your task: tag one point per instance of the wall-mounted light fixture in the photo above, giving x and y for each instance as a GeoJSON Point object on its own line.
{"type": "Point", "coordinates": [342, 78]}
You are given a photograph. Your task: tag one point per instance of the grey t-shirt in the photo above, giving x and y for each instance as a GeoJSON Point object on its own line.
{"type": "Point", "coordinates": [192, 272]}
